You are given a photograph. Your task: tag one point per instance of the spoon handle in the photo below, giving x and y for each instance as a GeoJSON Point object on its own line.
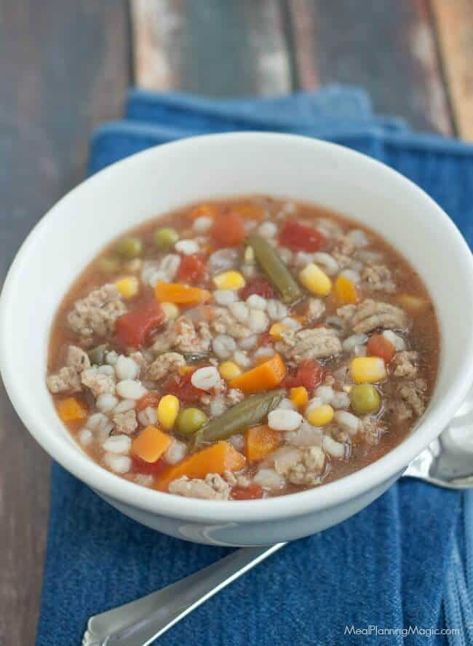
{"type": "Point", "coordinates": [140, 622]}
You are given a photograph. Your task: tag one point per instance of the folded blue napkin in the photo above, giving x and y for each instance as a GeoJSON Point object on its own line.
{"type": "Point", "coordinates": [401, 570]}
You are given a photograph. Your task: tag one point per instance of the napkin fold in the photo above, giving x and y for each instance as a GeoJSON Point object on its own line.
{"type": "Point", "coordinates": [401, 570]}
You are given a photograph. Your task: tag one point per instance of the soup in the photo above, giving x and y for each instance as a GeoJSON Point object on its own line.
{"type": "Point", "coordinates": [242, 349]}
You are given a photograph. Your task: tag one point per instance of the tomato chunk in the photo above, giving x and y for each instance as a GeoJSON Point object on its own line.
{"type": "Point", "coordinates": [228, 230]}
{"type": "Point", "coordinates": [309, 373]}
{"type": "Point", "coordinates": [148, 468]}
{"type": "Point", "coordinates": [133, 329]}
{"type": "Point", "coordinates": [259, 286]}
{"type": "Point", "coordinates": [300, 237]}
{"type": "Point", "coordinates": [191, 269]}
{"type": "Point", "coordinates": [183, 389]}
{"type": "Point", "coordinates": [379, 346]}
{"type": "Point", "coordinates": [150, 399]}
{"type": "Point", "coordinates": [247, 493]}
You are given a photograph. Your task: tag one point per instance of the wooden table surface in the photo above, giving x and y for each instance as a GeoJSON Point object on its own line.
{"type": "Point", "coordinates": [65, 66]}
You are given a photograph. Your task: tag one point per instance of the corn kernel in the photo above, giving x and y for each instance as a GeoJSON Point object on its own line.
{"type": "Point", "coordinates": [345, 290]}
{"type": "Point", "coordinates": [315, 280]}
{"type": "Point", "coordinates": [367, 370]}
{"type": "Point", "coordinates": [128, 286]}
{"type": "Point", "coordinates": [299, 396]}
{"type": "Point", "coordinates": [168, 409]}
{"type": "Point", "coordinates": [320, 416]}
{"type": "Point", "coordinates": [170, 310]}
{"type": "Point", "coordinates": [229, 280]}
{"type": "Point", "coordinates": [229, 370]}
{"type": "Point", "coordinates": [184, 370]}
{"type": "Point", "coordinates": [277, 329]}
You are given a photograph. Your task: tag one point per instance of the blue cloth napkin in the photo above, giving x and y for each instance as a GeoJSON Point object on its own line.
{"type": "Point", "coordinates": [401, 570]}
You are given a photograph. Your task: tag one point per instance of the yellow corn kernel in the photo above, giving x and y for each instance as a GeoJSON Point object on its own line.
{"type": "Point", "coordinates": [183, 370]}
{"type": "Point", "coordinates": [229, 370]}
{"type": "Point", "coordinates": [321, 415]}
{"type": "Point", "coordinates": [170, 310]}
{"type": "Point", "coordinates": [299, 396]}
{"type": "Point", "coordinates": [229, 280]}
{"type": "Point", "coordinates": [367, 370]}
{"type": "Point", "coordinates": [128, 286]}
{"type": "Point", "coordinates": [277, 329]}
{"type": "Point", "coordinates": [345, 290]}
{"type": "Point", "coordinates": [315, 280]}
{"type": "Point", "coordinates": [168, 409]}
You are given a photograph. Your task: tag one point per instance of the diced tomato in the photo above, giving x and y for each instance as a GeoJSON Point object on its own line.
{"type": "Point", "coordinates": [133, 329]}
{"type": "Point", "coordinates": [183, 389]}
{"type": "Point", "coordinates": [228, 230]}
{"type": "Point", "coordinates": [300, 237]}
{"type": "Point", "coordinates": [149, 468]}
{"type": "Point", "coordinates": [309, 373]}
{"type": "Point", "coordinates": [150, 399]}
{"type": "Point", "coordinates": [379, 346]}
{"type": "Point", "coordinates": [259, 286]}
{"type": "Point", "coordinates": [247, 493]}
{"type": "Point", "coordinates": [191, 269]}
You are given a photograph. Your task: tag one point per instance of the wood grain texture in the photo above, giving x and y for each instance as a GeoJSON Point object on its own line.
{"type": "Point", "coordinates": [63, 68]}
{"type": "Point", "coordinates": [386, 46]}
{"type": "Point", "coordinates": [216, 47]}
{"type": "Point", "coordinates": [454, 24]}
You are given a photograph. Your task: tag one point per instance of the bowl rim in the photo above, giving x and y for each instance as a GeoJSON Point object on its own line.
{"type": "Point", "coordinates": [74, 460]}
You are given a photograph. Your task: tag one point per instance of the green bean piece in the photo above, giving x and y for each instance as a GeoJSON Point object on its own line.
{"type": "Point", "coordinates": [129, 247]}
{"type": "Point", "coordinates": [365, 399]}
{"type": "Point", "coordinates": [190, 420]}
{"type": "Point", "coordinates": [109, 264]}
{"type": "Point", "coordinates": [270, 262]}
{"type": "Point", "coordinates": [247, 413]}
{"type": "Point", "coordinates": [165, 238]}
{"type": "Point", "coordinates": [97, 354]}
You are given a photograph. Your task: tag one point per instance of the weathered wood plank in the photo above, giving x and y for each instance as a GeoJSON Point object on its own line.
{"type": "Point", "coordinates": [63, 68]}
{"type": "Point", "coordinates": [215, 47]}
{"type": "Point", "coordinates": [454, 24]}
{"type": "Point", "coordinates": [387, 47]}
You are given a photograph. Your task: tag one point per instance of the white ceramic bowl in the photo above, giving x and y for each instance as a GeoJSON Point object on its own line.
{"type": "Point", "coordinates": [169, 176]}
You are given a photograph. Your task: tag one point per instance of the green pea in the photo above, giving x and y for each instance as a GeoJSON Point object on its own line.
{"type": "Point", "coordinates": [129, 247]}
{"type": "Point", "coordinates": [190, 420]}
{"type": "Point", "coordinates": [365, 399]}
{"type": "Point", "coordinates": [165, 238]}
{"type": "Point", "coordinates": [109, 264]}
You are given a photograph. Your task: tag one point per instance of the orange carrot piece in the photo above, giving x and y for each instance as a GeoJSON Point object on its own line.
{"type": "Point", "coordinates": [264, 376]}
{"type": "Point", "coordinates": [150, 444]}
{"type": "Point", "coordinates": [216, 458]}
{"type": "Point", "coordinates": [180, 294]}
{"type": "Point", "coordinates": [260, 441]}
{"type": "Point", "coordinates": [71, 410]}
{"type": "Point", "coordinates": [345, 291]}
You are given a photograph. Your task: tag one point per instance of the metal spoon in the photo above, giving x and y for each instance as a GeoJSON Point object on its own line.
{"type": "Point", "coordinates": [447, 462]}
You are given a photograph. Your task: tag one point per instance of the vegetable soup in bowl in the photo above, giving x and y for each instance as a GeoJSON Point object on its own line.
{"type": "Point", "coordinates": [246, 350]}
